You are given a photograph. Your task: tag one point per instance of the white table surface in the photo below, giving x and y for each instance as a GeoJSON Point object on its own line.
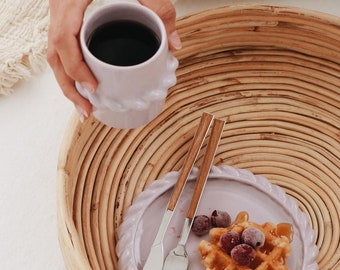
{"type": "Point", "coordinates": [33, 121]}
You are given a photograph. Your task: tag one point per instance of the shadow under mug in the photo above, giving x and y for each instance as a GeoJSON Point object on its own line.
{"type": "Point", "coordinates": [128, 96]}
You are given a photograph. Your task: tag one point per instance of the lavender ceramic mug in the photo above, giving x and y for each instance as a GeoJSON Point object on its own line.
{"type": "Point", "coordinates": [128, 96]}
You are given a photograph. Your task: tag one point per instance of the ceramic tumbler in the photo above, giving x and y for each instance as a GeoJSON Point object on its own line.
{"type": "Point", "coordinates": [128, 96]}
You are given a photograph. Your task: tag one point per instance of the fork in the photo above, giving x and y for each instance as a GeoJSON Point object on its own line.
{"type": "Point", "coordinates": [178, 257]}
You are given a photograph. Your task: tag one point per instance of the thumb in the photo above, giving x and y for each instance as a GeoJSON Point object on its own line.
{"type": "Point", "coordinates": [174, 41]}
{"type": "Point", "coordinates": [166, 11]}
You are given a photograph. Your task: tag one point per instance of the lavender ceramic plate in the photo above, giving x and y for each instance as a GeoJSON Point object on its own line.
{"type": "Point", "coordinates": [227, 188]}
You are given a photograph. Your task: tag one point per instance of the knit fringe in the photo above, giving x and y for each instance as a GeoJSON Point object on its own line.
{"type": "Point", "coordinates": [23, 38]}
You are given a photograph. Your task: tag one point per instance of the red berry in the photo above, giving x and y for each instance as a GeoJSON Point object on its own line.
{"type": "Point", "coordinates": [201, 225]}
{"type": "Point", "coordinates": [220, 219]}
{"type": "Point", "coordinates": [253, 236]}
{"type": "Point", "coordinates": [243, 254]}
{"type": "Point", "coordinates": [229, 240]}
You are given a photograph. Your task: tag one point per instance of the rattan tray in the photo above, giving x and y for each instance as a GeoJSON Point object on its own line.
{"type": "Point", "coordinates": [273, 73]}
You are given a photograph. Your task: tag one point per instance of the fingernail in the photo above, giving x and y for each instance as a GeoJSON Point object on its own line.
{"type": "Point", "coordinates": [83, 115]}
{"type": "Point", "coordinates": [87, 86]}
{"type": "Point", "coordinates": [175, 40]}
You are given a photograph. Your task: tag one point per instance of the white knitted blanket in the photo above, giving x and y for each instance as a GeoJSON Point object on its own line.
{"type": "Point", "coordinates": [23, 40]}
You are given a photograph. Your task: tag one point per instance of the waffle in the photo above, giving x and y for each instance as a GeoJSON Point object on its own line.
{"type": "Point", "coordinates": [272, 256]}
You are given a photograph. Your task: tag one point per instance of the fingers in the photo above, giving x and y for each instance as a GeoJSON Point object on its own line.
{"type": "Point", "coordinates": [67, 85]}
{"type": "Point", "coordinates": [64, 53]}
{"type": "Point", "coordinates": [71, 58]}
{"type": "Point", "coordinates": [166, 11]}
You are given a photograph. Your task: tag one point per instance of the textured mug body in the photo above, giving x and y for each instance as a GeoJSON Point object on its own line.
{"type": "Point", "coordinates": [128, 96]}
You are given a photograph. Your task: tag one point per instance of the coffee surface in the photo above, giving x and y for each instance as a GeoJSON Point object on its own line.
{"type": "Point", "coordinates": [123, 43]}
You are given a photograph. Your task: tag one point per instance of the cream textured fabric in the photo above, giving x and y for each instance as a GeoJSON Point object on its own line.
{"type": "Point", "coordinates": [23, 40]}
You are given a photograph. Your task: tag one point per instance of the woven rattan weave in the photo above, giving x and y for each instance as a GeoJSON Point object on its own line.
{"type": "Point", "coordinates": [273, 73]}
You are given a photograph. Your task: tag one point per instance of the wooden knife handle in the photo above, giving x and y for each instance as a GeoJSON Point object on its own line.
{"type": "Point", "coordinates": [209, 155]}
{"type": "Point", "coordinates": [192, 154]}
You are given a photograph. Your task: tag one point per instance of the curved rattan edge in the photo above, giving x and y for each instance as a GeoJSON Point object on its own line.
{"type": "Point", "coordinates": [72, 248]}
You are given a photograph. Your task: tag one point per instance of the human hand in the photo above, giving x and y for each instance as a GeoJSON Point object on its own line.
{"type": "Point", "coordinates": [166, 11]}
{"type": "Point", "coordinates": [64, 53]}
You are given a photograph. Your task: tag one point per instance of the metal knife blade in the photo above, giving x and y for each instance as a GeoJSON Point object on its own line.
{"type": "Point", "coordinates": [155, 259]}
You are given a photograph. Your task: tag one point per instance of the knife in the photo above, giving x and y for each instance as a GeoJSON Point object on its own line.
{"type": "Point", "coordinates": [178, 257]}
{"type": "Point", "coordinates": [155, 258]}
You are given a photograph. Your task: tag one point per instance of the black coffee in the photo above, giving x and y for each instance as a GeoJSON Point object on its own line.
{"type": "Point", "coordinates": [123, 43]}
